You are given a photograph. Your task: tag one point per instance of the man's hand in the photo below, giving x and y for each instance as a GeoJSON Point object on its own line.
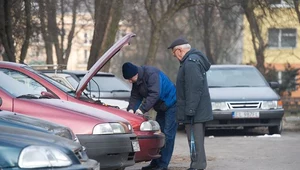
{"type": "Point", "coordinates": [131, 111]}
{"type": "Point", "coordinates": [138, 111]}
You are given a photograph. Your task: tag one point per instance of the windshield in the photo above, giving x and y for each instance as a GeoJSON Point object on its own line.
{"type": "Point", "coordinates": [235, 77]}
{"type": "Point", "coordinates": [107, 84]}
{"type": "Point", "coordinates": [17, 87]}
{"type": "Point", "coordinates": [55, 83]}
{"type": "Point", "coordinates": [52, 81]}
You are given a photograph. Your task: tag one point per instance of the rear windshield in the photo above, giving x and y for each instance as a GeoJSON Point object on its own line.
{"type": "Point", "coordinates": [235, 77]}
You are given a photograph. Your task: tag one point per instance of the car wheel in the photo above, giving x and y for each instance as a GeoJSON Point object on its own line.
{"type": "Point", "coordinates": [275, 129]}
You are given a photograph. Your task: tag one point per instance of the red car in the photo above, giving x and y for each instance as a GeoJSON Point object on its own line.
{"type": "Point", "coordinates": [108, 138]}
{"type": "Point", "coordinates": [151, 140]}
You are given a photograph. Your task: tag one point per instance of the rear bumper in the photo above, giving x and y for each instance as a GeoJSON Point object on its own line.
{"type": "Point", "coordinates": [112, 151]}
{"type": "Point", "coordinates": [150, 145]}
{"type": "Point", "coordinates": [266, 118]}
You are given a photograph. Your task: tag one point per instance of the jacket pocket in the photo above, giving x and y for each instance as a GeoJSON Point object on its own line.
{"type": "Point", "coordinates": [180, 107]}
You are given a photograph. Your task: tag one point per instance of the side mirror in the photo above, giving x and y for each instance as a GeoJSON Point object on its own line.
{"type": "Point", "coordinates": [48, 95]}
{"type": "Point", "coordinates": [274, 84]}
{"type": "Point", "coordinates": [0, 101]}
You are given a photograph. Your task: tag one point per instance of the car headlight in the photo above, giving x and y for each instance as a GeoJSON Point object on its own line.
{"type": "Point", "coordinates": [274, 104]}
{"type": "Point", "coordinates": [219, 106]}
{"type": "Point", "coordinates": [112, 128]}
{"type": "Point", "coordinates": [43, 156]}
{"type": "Point", "coordinates": [150, 125]}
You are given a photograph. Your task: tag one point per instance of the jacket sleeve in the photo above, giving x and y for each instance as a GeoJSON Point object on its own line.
{"type": "Point", "coordinates": [135, 99]}
{"type": "Point", "coordinates": [194, 83]}
{"type": "Point", "coordinates": [153, 87]}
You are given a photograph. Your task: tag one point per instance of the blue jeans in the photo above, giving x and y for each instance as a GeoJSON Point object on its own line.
{"type": "Point", "coordinates": [168, 125]}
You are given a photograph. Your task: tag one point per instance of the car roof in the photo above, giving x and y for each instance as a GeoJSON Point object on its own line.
{"type": "Point", "coordinates": [7, 63]}
{"type": "Point", "coordinates": [231, 66]}
{"type": "Point", "coordinates": [76, 72]}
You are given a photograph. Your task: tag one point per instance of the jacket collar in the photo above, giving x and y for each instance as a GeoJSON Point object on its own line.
{"type": "Point", "coordinates": [184, 57]}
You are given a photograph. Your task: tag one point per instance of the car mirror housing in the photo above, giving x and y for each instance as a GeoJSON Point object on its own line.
{"type": "Point", "coordinates": [274, 84]}
{"type": "Point", "coordinates": [48, 95]}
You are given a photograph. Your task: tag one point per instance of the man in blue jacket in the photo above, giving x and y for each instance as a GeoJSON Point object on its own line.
{"type": "Point", "coordinates": [151, 88]}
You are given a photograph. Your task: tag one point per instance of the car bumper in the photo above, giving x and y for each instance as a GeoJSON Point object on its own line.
{"type": "Point", "coordinates": [112, 151]}
{"type": "Point", "coordinates": [73, 167]}
{"type": "Point", "coordinates": [266, 118]}
{"type": "Point", "coordinates": [150, 145]}
{"type": "Point", "coordinates": [91, 164]}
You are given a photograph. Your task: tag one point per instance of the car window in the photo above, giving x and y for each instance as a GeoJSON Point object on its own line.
{"type": "Point", "coordinates": [235, 77]}
{"type": "Point", "coordinates": [72, 81]}
{"type": "Point", "coordinates": [18, 84]}
{"type": "Point", "coordinates": [107, 84]}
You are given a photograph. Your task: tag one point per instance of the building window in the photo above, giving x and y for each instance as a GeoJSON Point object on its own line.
{"type": "Point", "coordinates": [282, 38]}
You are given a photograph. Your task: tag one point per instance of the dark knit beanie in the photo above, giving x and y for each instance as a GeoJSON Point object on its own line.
{"type": "Point", "coordinates": [129, 70]}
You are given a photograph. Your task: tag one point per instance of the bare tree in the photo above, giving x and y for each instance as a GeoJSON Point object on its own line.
{"type": "Point", "coordinates": [28, 30]}
{"type": "Point", "coordinates": [258, 42]}
{"type": "Point", "coordinates": [219, 26]}
{"type": "Point", "coordinates": [6, 30]}
{"type": "Point", "coordinates": [107, 17]}
{"type": "Point", "coordinates": [160, 12]}
{"type": "Point", "coordinates": [44, 31]}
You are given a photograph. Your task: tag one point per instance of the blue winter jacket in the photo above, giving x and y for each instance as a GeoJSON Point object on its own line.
{"type": "Point", "coordinates": [155, 88]}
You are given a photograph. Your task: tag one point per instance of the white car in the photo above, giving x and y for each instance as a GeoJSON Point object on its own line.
{"type": "Point", "coordinates": [105, 87]}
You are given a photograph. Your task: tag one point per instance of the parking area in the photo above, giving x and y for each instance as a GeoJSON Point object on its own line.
{"type": "Point", "coordinates": [243, 150]}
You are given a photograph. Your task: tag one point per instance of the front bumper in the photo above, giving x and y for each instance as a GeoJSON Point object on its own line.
{"type": "Point", "coordinates": [150, 145]}
{"type": "Point", "coordinates": [266, 118]}
{"type": "Point", "coordinates": [73, 167]}
{"type": "Point", "coordinates": [112, 151]}
{"type": "Point", "coordinates": [91, 164]}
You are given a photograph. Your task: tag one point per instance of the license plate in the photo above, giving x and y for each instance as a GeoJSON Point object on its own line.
{"type": "Point", "coordinates": [245, 114]}
{"type": "Point", "coordinates": [136, 146]}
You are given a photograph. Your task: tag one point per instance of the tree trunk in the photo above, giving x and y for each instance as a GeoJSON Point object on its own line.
{"type": "Point", "coordinates": [154, 44]}
{"type": "Point", "coordinates": [208, 11]}
{"type": "Point", "coordinates": [6, 30]}
{"type": "Point", "coordinates": [257, 40]}
{"type": "Point", "coordinates": [102, 10]}
{"type": "Point", "coordinates": [28, 30]}
{"type": "Point", "coordinates": [53, 29]}
{"type": "Point", "coordinates": [46, 37]}
{"type": "Point", "coordinates": [71, 33]}
{"type": "Point", "coordinates": [111, 29]}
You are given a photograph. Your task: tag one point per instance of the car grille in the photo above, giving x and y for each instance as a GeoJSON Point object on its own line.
{"type": "Point", "coordinates": [244, 105]}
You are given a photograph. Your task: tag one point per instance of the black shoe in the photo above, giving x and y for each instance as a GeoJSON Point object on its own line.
{"type": "Point", "coordinates": [194, 169]}
{"type": "Point", "coordinates": [161, 168]}
{"type": "Point", "coordinates": [149, 167]}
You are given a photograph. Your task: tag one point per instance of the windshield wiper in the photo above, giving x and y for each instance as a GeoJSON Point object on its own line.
{"type": "Point", "coordinates": [28, 96]}
{"type": "Point", "coordinates": [119, 91]}
{"type": "Point", "coordinates": [241, 86]}
{"type": "Point", "coordinates": [215, 86]}
{"type": "Point", "coordinates": [71, 91]}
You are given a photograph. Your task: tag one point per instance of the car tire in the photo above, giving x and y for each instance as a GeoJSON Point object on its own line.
{"type": "Point", "coordinates": [275, 129]}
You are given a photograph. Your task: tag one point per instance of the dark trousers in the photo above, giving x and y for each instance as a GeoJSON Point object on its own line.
{"type": "Point", "coordinates": [168, 125]}
{"type": "Point", "coordinates": [199, 134]}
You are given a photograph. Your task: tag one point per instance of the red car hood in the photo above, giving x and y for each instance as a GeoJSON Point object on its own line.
{"type": "Point", "coordinates": [102, 61]}
{"type": "Point", "coordinates": [80, 108]}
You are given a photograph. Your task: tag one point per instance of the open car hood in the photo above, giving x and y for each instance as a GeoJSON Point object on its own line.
{"type": "Point", "coordinates": [102, 61]}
